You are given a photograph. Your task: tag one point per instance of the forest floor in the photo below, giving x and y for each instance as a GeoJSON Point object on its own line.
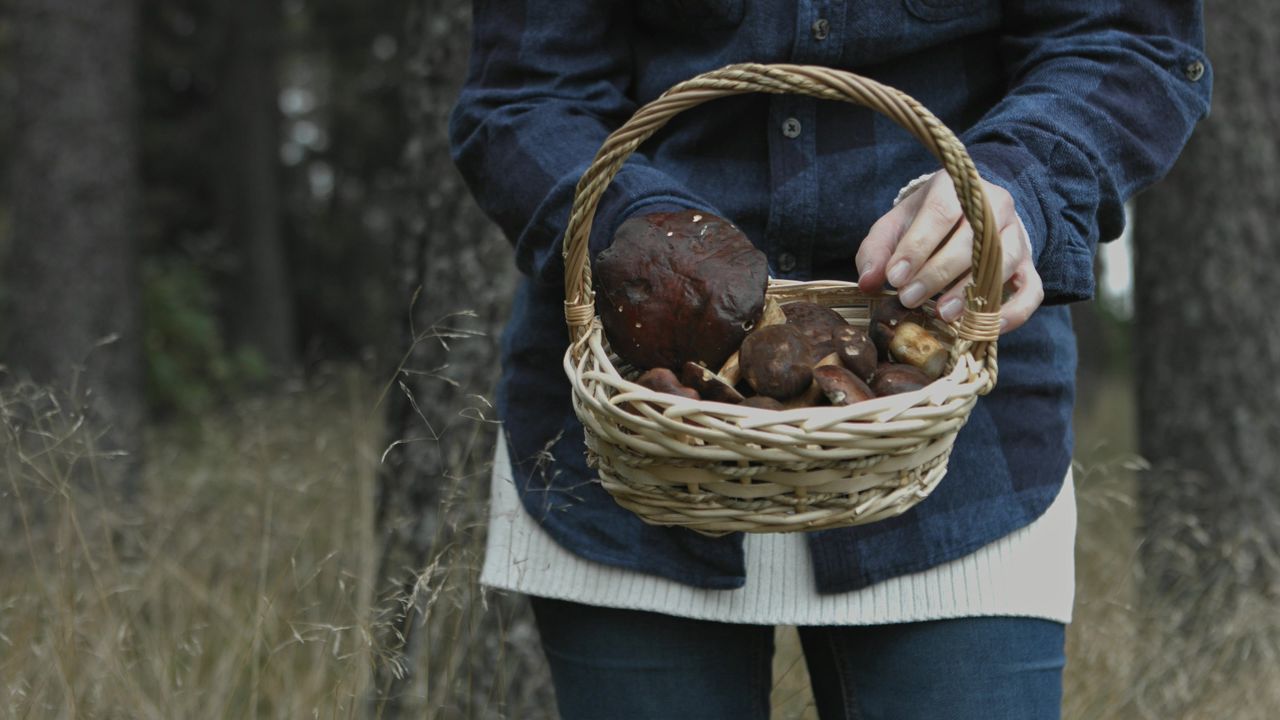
{"type": "Point", "coordinates": [243, 584]}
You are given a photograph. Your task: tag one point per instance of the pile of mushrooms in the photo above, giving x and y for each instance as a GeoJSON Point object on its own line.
{"type": "Point", "coordinates": [682, 293]}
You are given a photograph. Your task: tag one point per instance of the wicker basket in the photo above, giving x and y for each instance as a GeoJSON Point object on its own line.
{"type": "Point", "coordinates": [720, 468]}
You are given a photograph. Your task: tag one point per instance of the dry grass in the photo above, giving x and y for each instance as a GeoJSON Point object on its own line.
{"type": "Point", "coordinates": [242, 585]}
{"type": "Point", "coordinates": [238, 588]}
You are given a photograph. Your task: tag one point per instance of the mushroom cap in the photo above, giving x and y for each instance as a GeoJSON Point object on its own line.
{"type": "Point", "coordinates": [776, 361]}
{"type": "Point", "coordinates": [856, 350]}
{"type": "Point", "coordinates": [679, 287]}
{"type": "Point", "coordinates": [709, 385]}
{"type": "Point", "coordinates": [894, 378]}
{"type": "Point", "coordinates": [887, 314]}
{"type": "Point", "coordinates": [840, 385]}
{"type": "Point", "coordinates": [816, 321]}
{"type": "Point", "coordinates": [664, 381]}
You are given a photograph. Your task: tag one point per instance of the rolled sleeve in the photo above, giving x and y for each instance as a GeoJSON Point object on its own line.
{"type": "Point", "coordinates": [1100, 104]}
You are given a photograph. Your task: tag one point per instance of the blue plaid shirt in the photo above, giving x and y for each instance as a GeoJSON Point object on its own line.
{"type": "Point", "coordinates": [1070, 105]}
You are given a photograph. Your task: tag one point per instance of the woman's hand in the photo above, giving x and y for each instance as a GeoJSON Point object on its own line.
{"type": "Point", "coordinates": [924, 246]}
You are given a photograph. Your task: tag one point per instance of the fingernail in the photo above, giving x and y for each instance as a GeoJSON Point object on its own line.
{"type": "Point", "coordinates": [898, 273]}
{"type": "Point", "coordinates": [866, 268]}
{"type": "Point", "coordinates": [1004, 324]}
{"type": "Point", "coordinates": [912, 295]}
{"type": "Point", "coordinates": [950, 310]}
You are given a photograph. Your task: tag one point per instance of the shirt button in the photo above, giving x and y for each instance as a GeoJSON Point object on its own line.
{"type": "Point", "coordinates": [786, 262]}
{"type": "Point", "coordinates": [1194, 71]}
{"type": "Point", "coordinates": [821, 29]}
{"type": "Point", "coordinates": [791, 127]}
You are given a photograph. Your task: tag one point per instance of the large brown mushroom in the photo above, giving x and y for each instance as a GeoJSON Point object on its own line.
{"type": "Point", "coordinates": [679, 287]}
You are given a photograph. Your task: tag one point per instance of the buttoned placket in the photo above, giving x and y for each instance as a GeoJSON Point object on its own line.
{"type": "Point", "coordinates": [794, 177]}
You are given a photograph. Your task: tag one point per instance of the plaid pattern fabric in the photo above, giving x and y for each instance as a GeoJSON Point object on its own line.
{"type": "Point", "coordinates": [1071, 106]}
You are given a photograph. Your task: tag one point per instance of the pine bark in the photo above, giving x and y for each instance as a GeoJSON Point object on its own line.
{"type": "Point", "coordinates": [443, 644]}
{"type": "Point", "coordinates": [72, 276]}
{"type": "Point", "coordinates": [1208, 362]}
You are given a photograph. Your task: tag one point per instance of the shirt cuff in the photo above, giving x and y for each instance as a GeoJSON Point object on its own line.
{"type": "Point", "coordinates": [1009, 167]}
{"type": "Point", "coordinates": [1065, 267]}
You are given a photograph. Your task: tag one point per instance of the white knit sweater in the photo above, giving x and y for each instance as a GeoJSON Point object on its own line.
{"type": "Point", "coordinates": [1030, 572]}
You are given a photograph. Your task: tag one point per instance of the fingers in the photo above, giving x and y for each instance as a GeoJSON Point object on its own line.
{"type": "Point", "coordinates": [1028, 293]}
{"type": "Point", "coordinates": [924, 247]}
{"type": "Point", "coordinates": [937, 213]}
{"type": "Point", "coordinates": [1019, 273]}
{"type": "Point", "coordinates": [951, 261]}
{"type": "Point", "coordinates": [874, 252]}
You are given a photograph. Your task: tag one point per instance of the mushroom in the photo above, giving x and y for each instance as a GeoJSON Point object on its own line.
{"type": "Point", "coordinates": [678, 287]}
{"type": "Point", "coordinates": [856, 350]}
{"type": "Point", "coordinates": [664, 381]}
{"type": "Point", "coordinates": [762, 402]}
{"type": "Point", "coordinates": [915, 346]}
{"type": "Point", "coordinates": [708, 384]}
{"type": "Point", "coordinates": [901, 335]}
{"type": "Point", "coordinates": [888, 313]}
{"type": "Point", "coordinates": [775, 361]}
{"type": "Point", "coordinates": [731, 371]}
{"type": "Point", "coordinates": [894, 378]}
{"type": "Point", "coordinates": [817, 322]}
{"type": "Point", "coordinates": [840, 385]}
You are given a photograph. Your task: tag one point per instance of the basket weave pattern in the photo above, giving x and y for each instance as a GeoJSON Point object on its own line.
{"type": "Point", "coordinates": [719, 468]}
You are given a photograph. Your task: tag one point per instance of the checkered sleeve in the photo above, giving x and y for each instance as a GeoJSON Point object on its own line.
{"type": "Point", "coordinates": [1103, 96]}
{"type": "Point", "coordinates": [548, 81]}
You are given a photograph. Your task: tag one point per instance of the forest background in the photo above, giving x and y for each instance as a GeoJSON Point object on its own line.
{"type": "Point", "coordinates": [248, 322]}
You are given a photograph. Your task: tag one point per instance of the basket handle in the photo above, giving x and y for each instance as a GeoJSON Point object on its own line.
{"type": "Point", "coordinates": [980, 322]}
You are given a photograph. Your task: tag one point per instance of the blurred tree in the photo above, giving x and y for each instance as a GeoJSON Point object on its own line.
{"type": "Point", "coordinates": [72, 275]}
{"type": "Point", "coordinates": [214, 169]}
{"type": "Point", "coordinates": [1208, 358]}
{"type": "Point", "coordinates": [191, 267]}
{"type": "Point", "coordinates": [344, 143]}
{"type": "Point", "coordinates": [259, 304]}
{"type": "Point", "coordinates": [458, 268]}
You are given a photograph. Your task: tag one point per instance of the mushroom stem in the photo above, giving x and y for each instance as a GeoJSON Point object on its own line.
{"type": "Point", "coordinates": [732, 371]}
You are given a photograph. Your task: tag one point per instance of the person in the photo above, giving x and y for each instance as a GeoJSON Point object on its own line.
{"type": "Point", "coordinates": [957, 608]}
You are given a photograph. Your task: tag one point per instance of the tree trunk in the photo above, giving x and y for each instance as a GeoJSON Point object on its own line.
{"type": "Point", "coordinates": [72, 277]}
{"type": "Point", "coordinates": [260, 308]}
{"type": "Point", "coordinates": [444, 648]}
{"type": "Point", "coordinates": [1208, 359]}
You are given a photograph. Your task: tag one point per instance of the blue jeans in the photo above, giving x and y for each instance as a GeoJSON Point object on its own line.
{"type": "Point", "coordinates": [612, 664]}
